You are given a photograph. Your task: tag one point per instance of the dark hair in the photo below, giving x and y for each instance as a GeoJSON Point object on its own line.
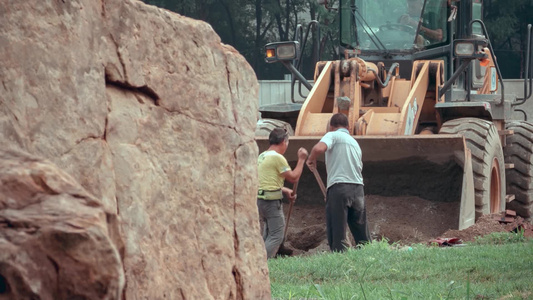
{"type": "Point", "coordinates": [277, 136]}
{"type": "Point", "coordinates": [339, 120]}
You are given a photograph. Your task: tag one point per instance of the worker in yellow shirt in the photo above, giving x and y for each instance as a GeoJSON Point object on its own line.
{"type": "Point", "coordinates": [273, 170]}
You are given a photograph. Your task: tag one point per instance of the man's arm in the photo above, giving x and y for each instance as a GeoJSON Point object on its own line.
{"type": "Point", "coordinates": [434, 34]}
{"type": "Point", "coordinates": [294, 175]}
{"type": "Point", "coordinates": [319, 149]}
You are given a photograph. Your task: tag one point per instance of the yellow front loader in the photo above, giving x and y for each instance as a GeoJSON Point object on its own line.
{"type": "Point", "coordinates": [430, 116]}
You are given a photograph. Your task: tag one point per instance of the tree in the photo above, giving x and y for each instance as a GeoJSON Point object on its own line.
{"type": "Point", "coordinates": [231, 19]}
{"type": "Point", "coordinates": [506, 23]}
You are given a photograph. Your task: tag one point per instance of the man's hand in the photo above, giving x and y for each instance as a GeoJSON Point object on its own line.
{"type": "Point", "coordinates": [289, 193]}
{"type": "Point", "coordinates": [294, 175]}
{"type": "Point", "coordinates": [317, 150]}
{"type": "Point", "coordinates": [311, 163]}
{"type": "Point", "coordinates": [302, 153]}
{"type": "Point", "coordinates": [292, 197]}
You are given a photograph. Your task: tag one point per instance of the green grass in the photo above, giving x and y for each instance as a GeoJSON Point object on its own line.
{"type": "Point", "coordinates": [499, 266]}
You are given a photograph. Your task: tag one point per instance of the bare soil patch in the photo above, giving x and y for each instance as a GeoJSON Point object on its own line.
{"type": "Point", "coordinates": [401, 220]}
{"type": "Point", "coordinates": [430, 211]}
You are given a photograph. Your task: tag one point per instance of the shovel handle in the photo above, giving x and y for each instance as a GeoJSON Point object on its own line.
{"type": "Point", "coordinates": [294, 187]}
{"type": "Point", "coordinates": [291, 203]}
{"type": "Point", "coordinates": [320, 182]}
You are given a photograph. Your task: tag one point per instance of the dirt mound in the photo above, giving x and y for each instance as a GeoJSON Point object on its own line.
{"type": "Point", "coordinates": [402, 220]}
{"type": "Point", "coordinates": [488, 224]}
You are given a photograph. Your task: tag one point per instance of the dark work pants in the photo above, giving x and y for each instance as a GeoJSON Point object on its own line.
{"type": "Point", "coordinates": [346, 205]}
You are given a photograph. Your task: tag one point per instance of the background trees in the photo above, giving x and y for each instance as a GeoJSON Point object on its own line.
{"type": "Point", "coordinates": [248, 25]}
{"type": "Point", "coordinates": [507, 23]}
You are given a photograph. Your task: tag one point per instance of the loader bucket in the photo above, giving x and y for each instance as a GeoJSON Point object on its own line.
{"type": "Point", "coordinates": [436, 168]}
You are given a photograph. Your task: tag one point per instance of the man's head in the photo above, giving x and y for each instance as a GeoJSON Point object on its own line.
{"type": "Point", "coordinates": [338, 120]}
{"type": "Point", "coordinates": [278, 136]}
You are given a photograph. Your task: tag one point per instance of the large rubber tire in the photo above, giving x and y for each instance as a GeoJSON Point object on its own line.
{"type": "Point", "coordinates": [487, 162]}
{"type": "Point", "coordinates": [265, 126]}
{"type": "Point", "coordinates": [519, 151]}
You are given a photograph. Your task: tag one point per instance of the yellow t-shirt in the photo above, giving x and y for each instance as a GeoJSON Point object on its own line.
{"type": "Point", "coordinates": [270, 166]}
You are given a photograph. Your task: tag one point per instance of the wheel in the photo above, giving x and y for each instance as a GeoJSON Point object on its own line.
{"type": "Point", "coordinates": [519, 151]}
{"type": "Point", "coordinates": [265, 126]}
{"type": "Point", "coordinates": [487, 162]}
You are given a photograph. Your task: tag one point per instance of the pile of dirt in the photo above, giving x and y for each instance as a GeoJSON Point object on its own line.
{"type": "Point", "coordinates": [488, 224]}
{"type": "Point", "coordinates": [401, 220]}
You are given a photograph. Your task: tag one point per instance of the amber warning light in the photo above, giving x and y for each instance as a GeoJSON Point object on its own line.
{"type": "Point", "coordinates": [270, 52]}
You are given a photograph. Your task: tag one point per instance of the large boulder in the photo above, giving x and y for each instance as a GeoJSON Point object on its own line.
{"type": "Point", "coordinates": [155, 118]}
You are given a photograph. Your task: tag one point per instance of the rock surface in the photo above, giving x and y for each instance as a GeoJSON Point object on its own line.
{"type": "Point", "coordinates": [155, 118]}
{"type": "Point", "coordinates": [56, 240]}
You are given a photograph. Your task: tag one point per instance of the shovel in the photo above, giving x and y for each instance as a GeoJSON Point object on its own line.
{"type": "Point", "coordinates": [282, 249]}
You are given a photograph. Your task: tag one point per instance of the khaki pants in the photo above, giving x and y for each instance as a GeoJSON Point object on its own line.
{"type": "Point", "coordinates": [273, 221]}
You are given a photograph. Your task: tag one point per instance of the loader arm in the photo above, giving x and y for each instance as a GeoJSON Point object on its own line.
{"type": "Point", "coordinates": [353, 81]}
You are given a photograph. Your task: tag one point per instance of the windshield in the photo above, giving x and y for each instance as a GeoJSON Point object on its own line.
{"type": "Point", "coordinates": [392, 24]}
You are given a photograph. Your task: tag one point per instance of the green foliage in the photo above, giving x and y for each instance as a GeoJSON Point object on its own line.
{"type": "Point", "coordinates": [500, 238]}
{"type": "Point", "coordinates": [381, 271]}
{"type": "Point", "coordinates": [501, 17]}
{"type": "Point", "coordinates": [506, 23]}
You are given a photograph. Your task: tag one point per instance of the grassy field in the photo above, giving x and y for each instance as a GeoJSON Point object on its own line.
{"type": "Point", "coordinates": [498, 266]}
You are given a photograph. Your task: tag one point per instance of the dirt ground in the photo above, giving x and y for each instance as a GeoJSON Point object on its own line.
{"type": "Point", "coordinates": [402, 220]}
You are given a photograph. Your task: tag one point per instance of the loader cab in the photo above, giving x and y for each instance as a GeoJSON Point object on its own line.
{"type": "Point", "coordinates": [399, 31]}
{"type": "Point", "coordinates": [402, 26]}
{"type": "Point", "coordinates": [405, 31]}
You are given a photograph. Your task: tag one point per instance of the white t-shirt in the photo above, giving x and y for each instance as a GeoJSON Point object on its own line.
{"type": "Point", "coordinates": [343, 158]}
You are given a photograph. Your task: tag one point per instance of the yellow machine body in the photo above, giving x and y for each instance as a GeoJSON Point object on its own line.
{"type": "Point", "coordinates": [388, 123]}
